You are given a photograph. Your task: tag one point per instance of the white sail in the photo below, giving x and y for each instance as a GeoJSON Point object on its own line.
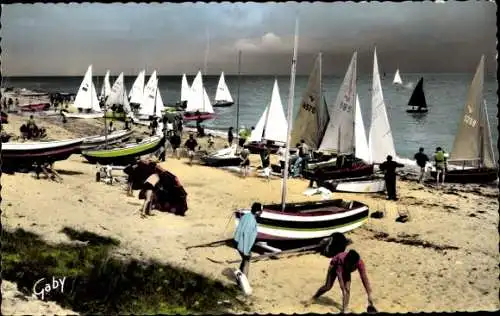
{"type": "Point", "coordinates": [159, 106]}
{"type": "Point", "coordinates": [126, 104]}
{"type": "Point", "coordinates": [86, 97]}
{"type": "Point", "coordinates": [198, 99]}
{"type": "Point", "coordinates": [136, 94]}
{"type": "Point", "coordinates": [223, 93]}
{"type": "Point", "coordinates": [339, 135]}
{"type": "Point", "coordinates": [185, 89]}
{"type": "Point", "coordinates": [272, 125]}
{"type": "Point", "coordinates": [148, 104]}
{"type": "Point", "coordinates": [380, 139]}
{"type": "Point", "coordinates": [116, 96]}
{"type": "Point", "coordinates": [397, 78]}
{"type": "Point", "coordinates": [362, 149]}
{"type": "Point", "coordinates": [106, 86]}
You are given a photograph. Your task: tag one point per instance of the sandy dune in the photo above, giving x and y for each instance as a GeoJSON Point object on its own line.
{"type": "Point", "coordinates": [405, 278]}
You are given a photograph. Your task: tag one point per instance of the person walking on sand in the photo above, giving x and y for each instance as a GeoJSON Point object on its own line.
{"type": "Point", "coordinates": [341, 267]}
{"type": "Point", "coordinates": [245, 161]}
{"type": "Point", "coordinates": [440, 161]}
{"type": "Point", "coordinates": [245, 236]}
{"type": "Point", "coordinates": [175, 142]}
{"type": "Point", "coordinates": [191, 145]}
{"type": "Point", "coordinates": [230, 136]}
{"type": "Point", "coordinates": [422, 160]}
{"type": "Point", "coordinates": [389, 166]}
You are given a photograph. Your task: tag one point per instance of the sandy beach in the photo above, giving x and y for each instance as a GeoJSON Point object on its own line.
{"type": "Point", "coordinates": [444, 259]}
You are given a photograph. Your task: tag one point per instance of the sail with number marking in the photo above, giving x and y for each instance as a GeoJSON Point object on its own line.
{"type": "Point", "coordinates": [86, 97]}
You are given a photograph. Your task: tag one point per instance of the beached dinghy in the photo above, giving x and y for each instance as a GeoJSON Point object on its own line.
{"type": "Point", "coordinates": [124, 155]}
{"type": "Point", "coordinates": [222, 158]}
{"type": "Point", "coordinates": [417, 103]}
{"type": "Point", "coordinates": [271, 126]}
{"type": "Point", "coordinates": [86, 99]}
{"type": "Point", "coordinates": [369, 184]}
{"type": "Point", "coordinates": [16, 155]}
{"type": "Point", "coordinates": [472, 159]}
{"type": "Point", "coordinates": [223, 97]}
{"type": "Point", "coordinates": [306, 221]}
{"type": "Point", "coordinates": [100, 140]}
{"type": "Point", "coordinates": [198, 104]}
{"type": "Point", "coordinates": [35, 107]}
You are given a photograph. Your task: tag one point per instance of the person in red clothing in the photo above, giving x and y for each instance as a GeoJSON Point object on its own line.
{"type": "Point", "coordinates": [341, 267]}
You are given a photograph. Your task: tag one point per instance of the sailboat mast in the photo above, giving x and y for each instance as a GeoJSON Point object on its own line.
{"type": "Point", "coordinates": [105, 122]}
{"type": "Point", "coordinates": [205, 68]}
{"type": "Point", "coordinates": [238, 97]}
{"type": "Point", "coordinates": [487, 120]}
{"type": "Point", "coordinates": [289, 116]}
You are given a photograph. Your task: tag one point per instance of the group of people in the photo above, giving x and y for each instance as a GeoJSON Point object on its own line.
{"type": "Point", "coordinates": [30, 130]}
{"type": "Point", "coordinates": [342, 263]}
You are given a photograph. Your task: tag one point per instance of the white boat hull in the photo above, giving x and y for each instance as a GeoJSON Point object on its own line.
{"type": "Point", "coordinates": [84, 115]}
{"type": "Point", "coordinates": [369, 186]}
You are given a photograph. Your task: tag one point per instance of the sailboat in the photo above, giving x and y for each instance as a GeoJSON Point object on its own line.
{"type": "Point", "coordinates": [339, 137]}
{"type": "Point", "coordinates": [185, 90]}
{"type": "Point", "coordinates": [136, 95]}
{"type": "Point", "coordinates": [417, 100]}
{"type": "Point", "coordinates": [473, 145]}
{"type": "Point", "coordinates": [198, 105]}
{"type": "Point", "coordinates": [272, 125]}
{"type": "Point", "coordinates": [380, 139]}
{"type": "Point", "coordinates": [86, 99]}
{"type": "Point", "coordinates": [397, 78]}
{"type": "Point", "coordinates": [223, 97]}
{"type": "Point", "coordinates": [152, 103]}
{"type": "Point", "coordinates": [307, 221]}
{"type": "Point", "coordinates": [106, 87]}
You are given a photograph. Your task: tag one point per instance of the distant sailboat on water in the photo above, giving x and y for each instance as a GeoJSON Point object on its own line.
{"type": "Point", "coordinates": [417, 103]}
{"type": "Point", "coordinates": [223, 97]}
{"type": "Point", "coordinates": [397, 78]}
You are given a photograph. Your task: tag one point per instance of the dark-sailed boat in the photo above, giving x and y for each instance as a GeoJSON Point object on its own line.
{"type": "Point", "coordinates": [306, 221]}
{"type": "Point", "coordinates": [417, 102]}
{"type": "Point", "coordinates": [25, 155]}
{"type": "Point", "coordinates": [472, 159]}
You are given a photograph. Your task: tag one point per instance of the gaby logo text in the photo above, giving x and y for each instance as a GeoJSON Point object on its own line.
{"type": "Point", "coordinates": [41, 288]}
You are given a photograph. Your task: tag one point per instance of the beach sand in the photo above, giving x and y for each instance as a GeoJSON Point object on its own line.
{"type": "Point", "coordinates": [404, 277]}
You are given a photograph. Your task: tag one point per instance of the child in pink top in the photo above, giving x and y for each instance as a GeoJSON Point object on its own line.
{"type": "Point", "coordinates": [341, 267]}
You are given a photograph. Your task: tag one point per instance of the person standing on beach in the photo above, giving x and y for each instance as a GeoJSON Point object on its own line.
{"type": "Point", "coordinates": [389, 166]}
{"type": "Point", "coordinates": [266, 161]}
{"type": "Point", "coordinates": [191, 145]}
{"type": "Point", "coordinates": [175, 142]}
{"type": "Point", "coordinates": [245, 236]}
{"type": "Point", "coordinates": [440, 161]}
{"type": "Point", "coordinates": [230, 136]}
{"type": "Point", "coordinates": [341, 267]}
{"type": "Point", "coordinates": [245, 161]}
{"type": "Point", "coordinates": [242, 136]}
{"type": "Point", "coordinates": [422, 160]}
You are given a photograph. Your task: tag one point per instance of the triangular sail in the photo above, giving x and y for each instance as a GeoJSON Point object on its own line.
{"type": "Point", "coordinates": [272, 125]}
{"type": "Point", "coordinates": [362, 149]}
{"type": "Point", "coordinates": [223, 93]}
{"type": "Point", "coordinates": [312, 117]}
{"type": "Point", "coordinates": [185, 89]}
{"type": "Point", "coordinates": [418, 97]}
{"type": "Point", "coordinates": [471, 138]}
{"type": "Point", "coordinates": [126, 103]}
{"type": "Point", "coordinates": [342, 116]}
{"type": "Point", "coordinates": [380, 139]}
{"type": "Point", "coordinates": [159, 106]}
{"type": "Point", "coordinates": [136, 94]}
{"type": "Point", "coordinates": [106, 86]}
{"type": "Point", "coordinates": [86, 97]}
{"type": "Point", "coordinates": [116, 96]}
{"type": "Point", "coordinates": [198, 99]}
{"type": "Point", "coordinates": [148, 104]}
{"type": "Point", "coordinates": [397, 78]}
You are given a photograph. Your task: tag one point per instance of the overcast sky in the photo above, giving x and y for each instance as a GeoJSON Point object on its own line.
{"type": "Point", "coordinates": [62, 39]}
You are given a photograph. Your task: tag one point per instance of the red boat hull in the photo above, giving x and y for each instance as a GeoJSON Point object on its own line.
{"type": "Point", "coordinates": [35, 107]}
{"type": "Point", "coordinates": [5, 117]}
{"type": "Point", "coordinates": [202, 116]}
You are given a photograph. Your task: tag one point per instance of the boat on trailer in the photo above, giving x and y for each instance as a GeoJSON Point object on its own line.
{"type": "Point", "coordinates": [417, 103]}
{"type": "Point", "coordinates": [472, 159]}
{"type": "Point", "coordinates": [306, 221]}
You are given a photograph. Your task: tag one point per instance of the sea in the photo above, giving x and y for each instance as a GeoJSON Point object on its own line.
{"type": "Point", "coordinates": [445, 93]}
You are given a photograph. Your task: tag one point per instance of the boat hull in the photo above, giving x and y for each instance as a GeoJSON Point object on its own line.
{"type": "Point", "coordinates": [35, 107]}
{"type": "Point", "coordinates": [113, 138]}
{"type": "Point", "coordinates": [84, 115]}
{"type": "Point", "coordinates": [416, 111]}
{"type": "Point", "coordinates": [473, 175]}
{"type": "Point", "coordinates": [257, 148]}
{"type": "Point", "coordinates": [212, 161]}
{"type": "Point", "coordinates": [221, 104]}
{"type": "Point", "coordinates": [17, 155]}
{"type": "Point", "coordinates": [357, 169]}
{"type": "Point", "coordinates": [308, 220]}
{"type": "Point", "coordinates": [124, 155]}
{"type": "Point", "coordinates": [5, 118]}
{"type": "Point", "coordinates": [190, 116]}
{"type": "Point", "coordinates": [361, 185]}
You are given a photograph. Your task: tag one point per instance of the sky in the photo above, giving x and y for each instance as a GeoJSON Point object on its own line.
{"type": "Point", "coordinates": [63, 39]}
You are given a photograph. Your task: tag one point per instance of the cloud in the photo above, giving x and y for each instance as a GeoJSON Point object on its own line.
{"type": "Point", "coordinates": [268, 42]}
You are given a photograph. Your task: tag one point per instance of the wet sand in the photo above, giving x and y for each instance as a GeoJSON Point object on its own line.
{"type": "Point", "coordinates": [444, 259]}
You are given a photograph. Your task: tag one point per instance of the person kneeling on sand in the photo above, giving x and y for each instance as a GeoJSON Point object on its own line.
{"type": "Point", "coordinates": [245, 161]}
{"type": "Point", "coordinates": [191, 145]}
{"type": "Point", "coordinates": [245, 236]}
{"type": "Point", "coordinates": [341, 267]}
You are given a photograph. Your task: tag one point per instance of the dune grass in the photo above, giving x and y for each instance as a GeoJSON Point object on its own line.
{"type": "Point", "coordinates": [98, 283]}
